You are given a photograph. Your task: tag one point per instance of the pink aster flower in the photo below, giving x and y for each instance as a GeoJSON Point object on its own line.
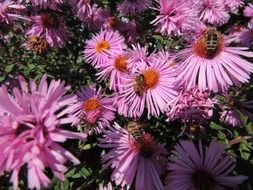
{"type": "Point", "coordinates": [103, 45]}
{"type": "Point", "coordinates": [201, 168]}
{"type": "Point", "coordinates": [192, 106]}
{"type": "Point", "coordinates": [94, 108]}
{"type": "Point", "coordinates": [233, 5]}
{"type": "Point", "coordinates": [82, 8]}
{"type": "Point", "coordinates": [30, 130]}
{"type": "Point", "coordinates": [248, 11]}
{"type": "Point", "coordinates": [9, 10]}
{"type": "Point", "coordinates": [51, 27]}
{"type": "Point", "coordinates": [210, 64]}
{"type": "Point", "coordinates": [213, 12]}
{"type": "Point", "coordinates": [44, 4]}
{"type": "Point", "coordinates": [175, 16]}
{"type": "Point", "coordinates": [132, 7]}
{"type": "Point", "coordinates": [150, 85]}
{"type": "Point", "coordinates": [129, 158]}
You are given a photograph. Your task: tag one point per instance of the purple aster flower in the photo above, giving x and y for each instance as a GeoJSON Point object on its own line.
{"type": "Point", "coordinates": [192, 106]}
{"type": "Point", "coordinates": [51, 27]}
{"type": "Point", "coordinates": [175, 16]}
{"type": "Point", "coordinates": [30, 130]}
{"type": "Point", "coordinates": [103, 45]}
{"type": "Point", "coordinates": [94, 108]}
{"type": "Point", "coordinates": [132, 159]}
{"type": "Point", "coordinates": [210, 64]}
{"type": "Point", "coordinates": [9, 10]}
{"type": "Point", "coordinates": [82, 8]}
{"type": "Point", "coordinates": [132, 7]}
{"type": "Point", "coordinates": [149, 85]}
{"type": "Point", "coordinates": [213, 12]}
{"type": "Point", "coordinates": [44, 4]}
{"type": "Point", "coordinates": [201, 168]}
{"type": "Point", "coordinates": [246, 36]}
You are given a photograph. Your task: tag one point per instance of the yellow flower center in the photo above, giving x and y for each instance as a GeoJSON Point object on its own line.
{"type": "Point", "coordinates": [50, 20]}
{"type": "Point", "coordinates": [121, 63]}
{"type": "Point", "coordinates": [37, 44]}
{"type": "Point", "coordinates": [102, 46]}
{"type": "Point", "coordinates": [209, 44]}
{"type": "Point", "coordinates": [91, 104]}
{"type": "Point", "coordinates": [151, 78]}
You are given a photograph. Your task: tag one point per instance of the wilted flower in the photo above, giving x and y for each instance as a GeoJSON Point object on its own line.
{"type": "Point", "coordinates": [50, 27]}
{"type": "Point", "coordinates": [129, 158]}
{"type": "Point", "coordinates": [103, 45]}
{"type": "Point", "coordinates": [30, 130]}
{"type": "Point", "coordinates": [94, 108]}
{"type": "Point", "coordinates": [210, 64]}
{"type": "Point", "coordinates": [132, 7]}
{"type": "Point", "coordinates": [201, 168]}
{"type": "Point", "coordinates": [37, 44]}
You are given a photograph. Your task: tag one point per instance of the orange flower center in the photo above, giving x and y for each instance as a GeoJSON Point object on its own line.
{"type": "Point", "coordinates": [121, 63]}
{"type": "Point", "coordinates": [102, 46]}
{"type": "Point", "coordinates": [209, 44]}
{"type": "Point", "coordinates": [91, 104]}
{"type": "Point", "coordinates": [37, 44]}
{"type": "Point", "coordinates": [50, 20]}
{"type": "Point", "coordinates": [113, 22]}
{"type": "Point", "coordinates": [151, 78]}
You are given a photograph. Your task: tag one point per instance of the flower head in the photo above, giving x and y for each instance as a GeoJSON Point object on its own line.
{"type": "Point", "coordinates": [149, 85]}
{"type": "Point", "coordinates": [82, 8]}
{"type": "Point", "coordinates": [30, 130]}
{"type": "Point", "coordinates": [94, 108]}
{"type": "Point", "coordinates": [103, 45]}
{"type": "Point", "coordinates": [37, 44]}
{"type": "Point", "coordinates": [50, 27]}
{"type": "Point", "coordinates": [201, 168]}
{"type": "Point", "coordinates": [175, 17]}
{"type": "Point", "coordinates": [210, 64]}
{"type": "Point", "coordinates": [130, 158]}
{"type": "Point", "coordinates": [132, 7]}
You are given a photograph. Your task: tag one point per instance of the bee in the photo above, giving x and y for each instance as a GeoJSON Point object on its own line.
{"type": "Point", "coordinates": [212, 41]}
{"type": "Point", "coordinates": [139, 85]}
{"type": "Point", "coordinates": [134, 129]}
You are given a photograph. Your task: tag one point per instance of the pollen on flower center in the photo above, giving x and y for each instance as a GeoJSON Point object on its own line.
{"type": "Point", "coordinates": [37, 44]}
{"type": "Point", "coordinates": [209, 44]}
{"type": "Point", "coordinates": [202, 180]}
{"type": "Point", "coordinates": [91, 104]}
{"type": "Point", "coordinates": [121, 63]}
{"type": "Point", "coordinates": [50, 20]}
{"type": "Point", "coordinates": [151, 78]}
{"type": "Point", "coordinates": [102, 46]}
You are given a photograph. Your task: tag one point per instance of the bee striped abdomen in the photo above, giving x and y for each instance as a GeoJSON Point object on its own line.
{"type": "Point", "coordinates": [134, 129]}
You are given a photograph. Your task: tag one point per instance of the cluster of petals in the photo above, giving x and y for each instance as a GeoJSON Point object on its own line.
{"type": "Point", "coordinates": [233, 5]}
{"type": "Point", "coordinates": [94, 108]}
{"type": "Point", "coordinates": [44, 4]}
{"type": "Point", "coordinates": [30, 130]}
{"type": "Point", "coordinates": [201, 167]}
{"type": "Point", "coordinates": [130, 159]}
{"type": "Point", "coordinates": [192, 105]}
{"type": "Point", "coordinates": [132, 7]}
{"type": "Point", "coordinates": [214, 70]}
{"type": "Point", "coordinates": [248, 11]}
{"type": "Point", "coordinates": [50, 26]}
{"type": "Point", "coordinates": [107, 187]}
{"type": "Point", "coordinates": [149, 85]}
{"type": "Point", "coordinates": [82, 8]}
{"type": "Point", "coordinates": [9, 10]}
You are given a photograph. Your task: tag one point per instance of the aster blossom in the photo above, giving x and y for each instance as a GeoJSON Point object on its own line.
{"type": "Point", "coordinates": [51, 27]}
{"type": "Point", "coordinates": [9, 10]}
{"type": "Point", "coordinates": [192, 105]}
{"type": "Point", "coordinates": [98, 50]}
{"type": "Point", "coordinates": [201, 167]}
{"type": "Point", "coordinates": [130, 158]}
{"type": "Point", "coordinates": [175, 17]}
{"type": "Point", "coordinates": [30, 130]}
{"type": "Point", "coordinates": [233, 5]}
{"type": "Point", "coordinates": [82, 8]}
{"type": "Point", "coordinates": [149, 85]}
{"type": "Point", "coordinates": [94, 108]}
{"type": "Point", "coordinates": [210, 64]}
{"type": "Point", "coordinates": [132, 7]}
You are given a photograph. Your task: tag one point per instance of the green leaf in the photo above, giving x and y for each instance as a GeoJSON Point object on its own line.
{"type": "Point", "coordinates": [9, 68]}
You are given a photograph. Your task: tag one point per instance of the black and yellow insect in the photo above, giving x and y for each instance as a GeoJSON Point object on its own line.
{"type": "Point", "coordinates": [212, 41]}
{"type": "Point", "coordinates": [139, 86]}
{"type": "Point", "coordinates": [134, 129]}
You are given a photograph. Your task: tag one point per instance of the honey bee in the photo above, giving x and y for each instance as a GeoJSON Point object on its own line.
{"type": "Point", "coordinates": [139, 85]}
{"type": "Point", "coordinates": [134, 129]}
{"type": "Point", "coordinates": [212, 41]}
